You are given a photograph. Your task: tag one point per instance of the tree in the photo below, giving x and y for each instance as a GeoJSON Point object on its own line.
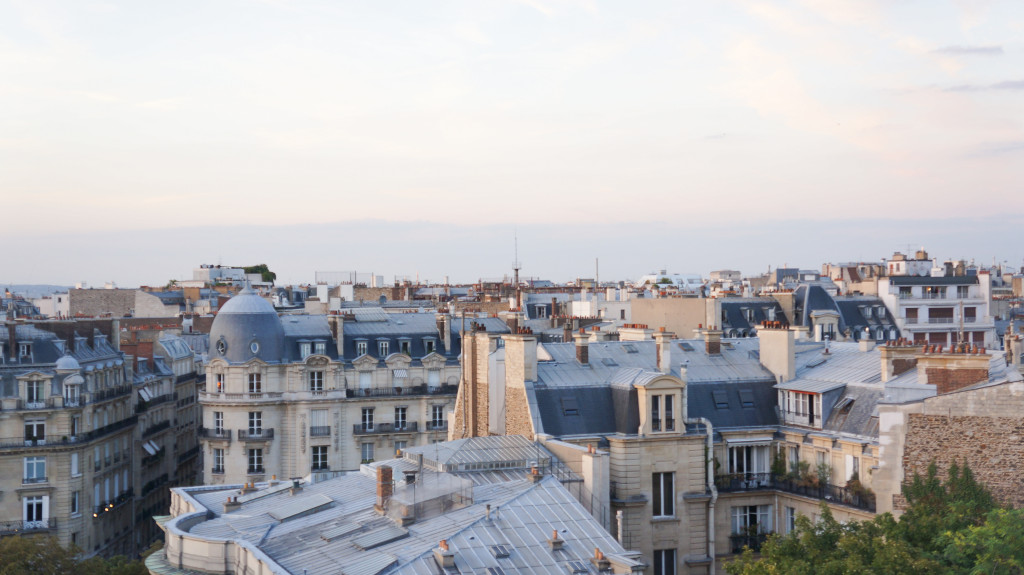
{"type": "Point", "coordinates": [263, 270]}
{"type": "Point", "coordinates": [38, 555]}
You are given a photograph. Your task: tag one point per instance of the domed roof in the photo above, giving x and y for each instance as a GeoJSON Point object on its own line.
{"type": "Point", "coordinates": [246, 327]}
{"type": "Point", "coordinates": [68, 363]}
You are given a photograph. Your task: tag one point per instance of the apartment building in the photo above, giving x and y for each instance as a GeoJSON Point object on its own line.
{"type": "Point", "coordinates": [66, 449]}
{"type": "Point", "coordinates": [942, 310]}
{"type": "Point", "coordinates": [714, 442]}
{"type": "Point", "coordinates": [301, 394]}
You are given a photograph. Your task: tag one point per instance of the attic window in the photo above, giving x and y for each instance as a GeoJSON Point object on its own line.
{"type": "Point", "coordinates": [721, 399]}
{"type": "Point", "coordinates": [574, 567]}
{"type": "Point", "coordinates": [608, 361]}
{"type": "Point", "coordinates": [570, 406]}
{"type": "Point", "coordinates": [746, 398]}
{"type": "Point", "coordinates": [495, 571]}
{"type": "Point", "coordinates": [500, 551]}
{"type": "Point", "coordinates": [630, 348]}
{"type": "Point", "coordinates": [843, 404]}
{"type": "Point", "coordinates": [686, 346]}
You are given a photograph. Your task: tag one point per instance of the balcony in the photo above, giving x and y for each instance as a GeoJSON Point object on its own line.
{"type": "Point", "coordinates": [910, 320]}
{"type": "Point", "coordinates": [213, 397]}
{"type": "Point", "coordinates": [320, 431]}
{"type": "Point", "coordinates": [859, 499]}
{"type": "Point", "coordinates": [264, 434]}
{"type": "Point", "coordinates": [256, 470]}
{"type": "Point", "coordinates": [114, 503]}
{"type": "Point", "coordinates": [934, 320]}
{"type": "Point", "coordinates": [154, 484]}
{"type": "Point", "coordinates": [19, 527]}
{"type": "Point", "coordinates": [361, 429]}
{"type": "Point", "coordinates": [143, 405]}
{"type": "Point", "coordinates": [33, 480]}
{"type": "Point", "coordinates": [437, 425]}
{"type": "Point", "coordinates": [215, 434]}
{"type": "Point", "coordinates": [801, 419]}
{"type": "Point", "coordinates": [156, 428]}
{"type": "Point", "coordinates": [217, 471]}
{"type": "Point", "coordinates": [404, 391]}
{"type": "Point", "coordinates": [753, 541]}
{"type": "Point", "coordinates": [183, 457]}
{"type": "Point", "coordinates": [109, 393]}
{"type": "Point", "coordinates": [64, 440]}
{"type": "Point", "coordinates": [37, 403]}
{"type": "Point", "coordinates": [155, 458]}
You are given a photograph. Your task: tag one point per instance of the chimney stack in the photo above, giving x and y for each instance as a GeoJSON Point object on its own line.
{"type": "Point", "coordinates": [778, 350]}
{"type": "Point", "coordinates": [663, 344]}
{"type": "Point", "coordinates": [444, 556]}
{"type": "Point", "coordinates": [713, 341]}
{"type": "Point", "coordinates": [555, 543]}
{"type": "Point", "coordinates": [956, 369]}
{"type": "Point", "coordinates": [385, 488]}
{"type": "Point", "coordinates": [582, 347]}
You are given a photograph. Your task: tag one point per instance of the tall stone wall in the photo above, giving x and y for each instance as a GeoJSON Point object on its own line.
{"type": "Point", "coordinates": [100, 302]}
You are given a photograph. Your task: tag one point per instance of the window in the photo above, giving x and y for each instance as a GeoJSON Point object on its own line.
{"type": "Point", "coordinates": [75, 471]}
{"type": "Point", "coordinates": [622, 314]}
{"type": "Point", "coordinates": [905, 292]}
{"type": "Point", "coordinates": [35, 470]}
{"type": "Point", "coordinates": [35, 397]}
{"type": "Point", "coordinates": [35, 512]}
{"type": "Point", "coordinates": [71, 395]}
{"type": "Point", "coordinates": [437, 418]}
{"type": "Point", "coordinates": [318, 426]}
{"type": "Point", "coordinates": [400, 418]}
{"type": "Point", "coordinates": [255, 383]}
{"type": "Point", "coordinates": [794, 457]}
{"type": "Point", "coordinates": [319, 457]}
{"type": "Point", "coordinates": [790, 519]}
{"type": "Point", "coordinates": [428, 345]}
{"type": "Point", "coordinates": [664, 562]}
{"type": "Point", "coordinates": [434, 377]}
{"type": "Point", "coordinates": [655, 413]}
{"type": "Point", "coordinates": [35, 431]}
{"type": "Point", "coordinates": [670, 421]}
{"type": "Point", "coordinates": [365, 379]}
{"type": "Point", "coordinates": [852, 467]}
{"type": "Point", "coordinates": [305, 349]}
{"type": "Point", "coordinates": [751, 519]}
{"type": "Point", "coordinates": [366, 451]}
{"type": "Point", "coordinates": [367, 419]}
{"type": "Point", "coordinates": [748, 459]}
{"type": "Point", "coordinates": [220, 383]}
{"type": "Point", "coordinates": [664, 498]}
{"type": "Point", "coordinates": [218, 422]}
{"type": "Point", "coordinates": [400, 447]}
{"type": "Point", "coordinates": [255, 423]}
{"type": "Point", "coordinates": [96, 454]}
{"type": "Point", "coordinates": [255, 461]}
{"type": "Point", "coordinates": [405, 346]}
{"type": "Point", "coordinates": [963, 292]}
{"type": "Point", "coordinates": [320, 348]}
{"type": "Point", "coordinates": [74, 503]}
{"type": "Point", "coordinates": [76, 426]}
{"type": "Point", "coordinates": [24, 349]}
{"type": "Point", "coordinates": [316, 381]}
{"type": "Point", "coordinates": [218, 460]}
{"type": "Point", "coordinates": [360, 348]}
{"type": "Point", "coordinates": [382, 349]}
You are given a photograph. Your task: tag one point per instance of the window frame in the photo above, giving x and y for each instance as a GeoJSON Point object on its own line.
{"type": "Point", "coordinates": [663, 494]}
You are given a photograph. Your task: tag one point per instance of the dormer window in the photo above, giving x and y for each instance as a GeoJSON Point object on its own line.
{"type": "Point", "coordinates": [405, 346]}
{"type": "Point", "coordinates": [305, 349]}
{"type": "Point", "coordinates": [320, 347]}
{"type": "Point", "coordinates": [382, 348]}
{"type": "Point", "coordinates": [35, 394]}
{"type": "Point", "coordinates": [25, 350]}
{"type": "Point", "coordinates": [428, 345]}
{"type": "Point", "coordinates": [663, 413]}
{"type": "Point", "coordinates": [360, 348]}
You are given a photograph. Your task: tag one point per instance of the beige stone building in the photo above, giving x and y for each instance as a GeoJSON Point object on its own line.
{"type": "Point", "coordinates": [714, 442]}
{"type": "Point", "coordinates": [299, 394]}
{"type": "Point", "coordinates": [67, 421]}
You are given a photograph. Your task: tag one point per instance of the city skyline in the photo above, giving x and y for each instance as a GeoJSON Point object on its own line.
{"type": "Point", "coordinates": [131, 126]}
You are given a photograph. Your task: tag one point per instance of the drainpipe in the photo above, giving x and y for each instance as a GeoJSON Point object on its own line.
{"type": "Point", "coordinates": [711, 487]}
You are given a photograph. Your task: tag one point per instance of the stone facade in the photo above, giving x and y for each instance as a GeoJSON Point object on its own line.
{"type": "Point", "coordinates": [101, 302]}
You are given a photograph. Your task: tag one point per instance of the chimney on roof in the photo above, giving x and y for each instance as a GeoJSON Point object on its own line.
{"type": "Point", "coordinates": [385, 488]}
{"type": "Point", "coordinates": [582, 347]}
{"type": "Point", "coordinates": [555, 542]}
{"type": "Point", "coordinates": [599, 561]}
{"type": "Point", "coordinates": [956, 369]}
{"type": "Point", "coordinates": [663, 344]}
{"type": "Point", "coordinates": [778, 350]}
{"type": "Point", "coordinates": [713, 341]}
{"type": "Point", "coordinates": [898, 357]}
{"type": "Point", "coordinates": [444, 556]}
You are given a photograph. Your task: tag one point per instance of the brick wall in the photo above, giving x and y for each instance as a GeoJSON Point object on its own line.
{"type": "Point", "coordinates": [517, 413]}
{"type": "Point", "coordinates": [900, 366]}
{"type": "Point", "coordinates": [947, 380]}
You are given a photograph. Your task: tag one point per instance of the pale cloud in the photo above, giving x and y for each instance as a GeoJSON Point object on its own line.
{"type": "Point", "coordinates": [970, 50]}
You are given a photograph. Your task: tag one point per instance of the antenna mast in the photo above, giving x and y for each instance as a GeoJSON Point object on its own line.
{"type": "Point", "coordinates": [516, 266]}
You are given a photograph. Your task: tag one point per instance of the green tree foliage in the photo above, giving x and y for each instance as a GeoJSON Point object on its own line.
{"type": "Point", "coordinates": [263, 270]}
{"type": "Point", "coordinates": [37, 555]}
{"type": "Point", "coordinates": [951, 526]}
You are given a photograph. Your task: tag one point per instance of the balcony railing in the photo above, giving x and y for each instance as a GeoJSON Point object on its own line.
{"type": "Point", "coordinates": [240, 397]}
{"type": "Point", "coordinates": [409, 427]}
{"type": "Point", "coordinates": [156, 428]}
{"type": "Point", "coordinates": [320, 431]}
{"type": "Point", "coordinates": [113, 503]}
{"type": "Point", "coordinates": [940, 320]}
{"type": "Point", "coordinates": [910, 320]}
{"type": "Point", "coordinates": [153, 484]}
{"type": "Point", "coordinates": [437, 426]}
{"type": "Point", "coordinates": [155, 458]}
{"type": "Point", "coordinates": [804, 419]}
{"type": "Point", "coordinates": [753, 541]}
{"type": "Point", "coordinates": [33, 480]}
{"type": "Point", "coordinates": [143, 405]}
{"type": "Point", "coordinates": [257, 470]}
{"type": "Point", "coordinates": [183, 457]}
{"type": "Point", "coordinates": [859, 499]}
{"type": "Point", "coordinates": [220, 434]}
{"type": "Point", "coordinates": [63, 440]}
{"type": "Point", "coordinates": [407, 390]}
{"type": "Point", "coordinates": [263, 434]}
{"type": "Point", "coordinates": [25, 526]}
{"type": "Point", "coordinates": [109, 393]}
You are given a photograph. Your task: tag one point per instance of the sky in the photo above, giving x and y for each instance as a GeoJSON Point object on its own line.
{"type": "Point", "coordinates": [141, 139]}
